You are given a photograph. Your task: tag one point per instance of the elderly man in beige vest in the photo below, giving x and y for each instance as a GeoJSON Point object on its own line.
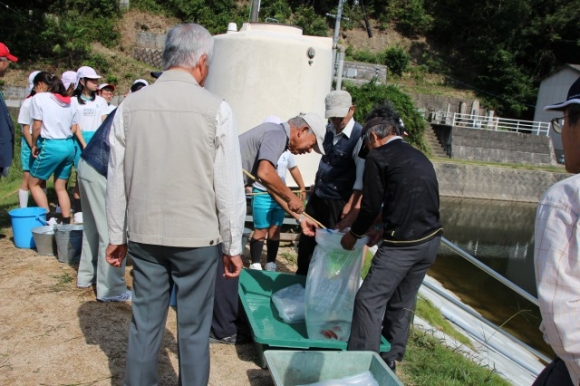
{"type": "Point", "coordinates": [175, 191]}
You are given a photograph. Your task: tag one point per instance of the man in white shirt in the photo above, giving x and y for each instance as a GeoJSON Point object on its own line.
{"type": "Point", "coordinates": [557, 253]}
{"type": "Point", "coordinates": [175, 186]}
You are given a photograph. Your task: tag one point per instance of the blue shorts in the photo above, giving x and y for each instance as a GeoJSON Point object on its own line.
{"type": "Point", "coordinates": [266, 211]}
{"type": "Point", "coordinates": [26, 157]}
{"type": "Point", "coordinates": [56, 157]}
{"type": "Point", "coordinates": [87, 135]}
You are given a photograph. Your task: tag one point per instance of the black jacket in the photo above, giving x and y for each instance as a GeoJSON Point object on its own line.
{"type": "Point", "coordinates": [402, 180]}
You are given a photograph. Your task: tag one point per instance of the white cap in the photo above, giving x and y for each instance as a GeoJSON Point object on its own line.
{"type": "Point", "coordinates": [31, 80]}
{"type": "Point", "coordinates": [318, 126]}
{"type": "Point", "coordinates": [68, 78]}
{"type": "Point", "coordinates": [102, 86]}
{"type": "Point", "coordinates": [141, 81]}
{"type": "Point", "coordinates": [86, 72]}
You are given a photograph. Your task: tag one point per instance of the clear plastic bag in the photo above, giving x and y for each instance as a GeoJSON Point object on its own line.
{"type": "Point", "coordinates": [331, 285]}
{"type": "Point", "coordinates": [362, 379]}
{"type": "Point", "coordinates": [289, 302]}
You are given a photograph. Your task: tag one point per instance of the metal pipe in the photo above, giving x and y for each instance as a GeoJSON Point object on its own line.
{"type": "Point", "coordinates": [335, 36]}
{"type": "Point", "coordinates": [490, 271]}
{"type": "Point", "coordinates": [255, 11]}
{"type": "Point", "coordinates": [485, 321]}
{"type": "Point", "coordinates": [340, 67]}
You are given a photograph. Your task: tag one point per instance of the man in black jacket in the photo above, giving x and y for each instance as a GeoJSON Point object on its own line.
{"type": "Point", "coordinates": [401, 197]}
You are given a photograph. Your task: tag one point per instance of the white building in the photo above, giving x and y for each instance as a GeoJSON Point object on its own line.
{"type": "Point", "coordinates": [554, 89]}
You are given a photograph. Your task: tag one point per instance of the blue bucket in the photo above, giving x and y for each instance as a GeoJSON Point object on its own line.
{"type": "Point", "coordinates": [23, 220]}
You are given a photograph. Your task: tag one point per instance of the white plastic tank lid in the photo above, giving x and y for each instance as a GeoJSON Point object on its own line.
{"type": "Point", "coordinates": [232, 27]}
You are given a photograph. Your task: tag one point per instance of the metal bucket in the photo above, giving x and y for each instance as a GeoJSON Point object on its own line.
{"type": "Point", "coordinates": [44, 240]}
{"type": "Point", "coordinates": [69, 243]}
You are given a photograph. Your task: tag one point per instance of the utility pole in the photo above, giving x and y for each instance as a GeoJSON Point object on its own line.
{"type": "Point", "coordinates": [255, 10]}
{"type": "Point", "coordinates": [338, 18]}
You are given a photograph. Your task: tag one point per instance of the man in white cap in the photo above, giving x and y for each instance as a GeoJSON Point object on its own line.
{"type": "Point", "coordinates": [6, 125]}
{"type": "Point", "coordinates": [338, 185]}
{"type": "Point", "coordinates": [556, 253]}
{"type": "Point", "coordinates": [261, 148]}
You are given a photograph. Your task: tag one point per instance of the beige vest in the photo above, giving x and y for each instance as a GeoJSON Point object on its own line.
{"type": "Point", "coordinates": [170, 130]}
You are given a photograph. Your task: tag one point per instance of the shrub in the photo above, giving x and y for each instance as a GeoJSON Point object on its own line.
{"type": "Point", "coordinates": [371, 95]}
{"type": "Point", "coordinates": [397, 60]}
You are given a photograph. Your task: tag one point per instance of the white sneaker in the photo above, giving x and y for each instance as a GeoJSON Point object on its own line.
{"type": "Point", "coordinates": [271, 267]}
{"type": "Point", "coordinates": [256, 266]}
{"type": "Point", "coordinates": [52, 221]}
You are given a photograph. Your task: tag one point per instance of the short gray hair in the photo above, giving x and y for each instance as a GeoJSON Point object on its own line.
{"type": "Point", "coordinates": [299, 122]}
{"type": "Point", "coordinates": [185, 44]}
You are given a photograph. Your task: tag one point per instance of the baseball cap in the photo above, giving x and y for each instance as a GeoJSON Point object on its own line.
{"type": "Point", "coordinates": [573, 98]}
{"type": "Point", "coordinates": [67, 78]}
{"type": "Point", "coordinates": [5, 53]}
{"type": "Point", "coordinates": [156, 74]}
{"type": "Point", "coordinates": [272, 119]}
{"type": "Point", "coordinates": [318, 126]}
{"type": "Point", "coordinates": [31, 79]}
{"type": "Point", "coordinates": [337, 104]}
{"type": "Point", "coordinates": [102, 86]}
{"type": "Point", "coordinates": [141, 81]}
{"type": "Point", "coordinates": [86, 72]}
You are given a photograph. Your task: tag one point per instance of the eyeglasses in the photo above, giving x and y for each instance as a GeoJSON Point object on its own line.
{"type": "Point", "coordinates": [558, 123]}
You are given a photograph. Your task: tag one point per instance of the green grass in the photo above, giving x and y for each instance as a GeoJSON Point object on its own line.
{"type": "Point", "coordinates": [428, 362]}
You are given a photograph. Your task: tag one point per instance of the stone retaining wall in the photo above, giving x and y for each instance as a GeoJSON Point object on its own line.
{"type": "Point", "coordinates": [494, 183]}
{"type": "Point", "coordinates": [502, 147]}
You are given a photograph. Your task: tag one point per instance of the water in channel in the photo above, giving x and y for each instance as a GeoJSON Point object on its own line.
{"type": "Point", "coordinates": [500, 234]}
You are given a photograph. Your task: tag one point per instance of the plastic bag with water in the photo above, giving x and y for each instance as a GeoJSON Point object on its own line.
{"type": "Point", "coordinates": [331, 285]}
{"type": "Point", "coordinates": [289, 302]}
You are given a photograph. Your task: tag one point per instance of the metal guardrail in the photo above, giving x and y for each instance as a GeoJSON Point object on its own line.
{"type": "Point", "coordinates": [490, 271]}
{"type": "Point", "coordinates": [501, 124]}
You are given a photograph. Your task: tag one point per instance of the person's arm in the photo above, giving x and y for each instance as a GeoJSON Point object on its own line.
{"type": "Point", "coordinates": [36, 126]}
{"type": "Point", "coordinates": [350, 210]}
{"type": "Point", "coordinates": [557, 263]}
{"type": "Point", "coordinates": [271, 180]}
{"type": "Point", "coordinates": [116, 194]}
{"type": "Point", "coordinates": [27, 135]}
{"type": "Point", "coordinates": [372, 198]}
{"type": "Point", "coordinates": [297, 176]}
{"type": "Point", "coordinates": [79, 135]}
{"type": "Point", "coordinates": [229, 191]}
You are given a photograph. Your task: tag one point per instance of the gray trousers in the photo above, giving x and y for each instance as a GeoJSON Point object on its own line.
{"type": "Point", "coordinates": [155, 270]}
{"type": "Point", "coordinates": [390, 289]}
{"type": "Point", "coordinates": [93, 266]}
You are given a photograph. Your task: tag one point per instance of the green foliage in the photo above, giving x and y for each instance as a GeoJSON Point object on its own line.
{"type": "Point", "coordinates": [372, 95]}
{"type": "Point", "coordinates": [433, 316]}
{"type": "Point", "coordinates": [397, 60]}
{"type": "Point", "coordinates": [310, 22]}
{"type": "Point", "coordinates": [363, 56]}
{"type": "Point", "coordinates": [410, 16]}
{"type": "Point", "coordinates": [60, 31]}
{"type": "Point", "coordinates": [112, 79]}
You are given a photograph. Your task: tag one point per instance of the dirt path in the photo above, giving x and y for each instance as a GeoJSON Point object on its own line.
{"type": "Point", "coordinates": [52, 333]}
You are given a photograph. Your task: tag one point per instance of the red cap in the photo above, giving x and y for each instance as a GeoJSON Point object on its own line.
{"type": "Point", "coordinates": [5, 53]}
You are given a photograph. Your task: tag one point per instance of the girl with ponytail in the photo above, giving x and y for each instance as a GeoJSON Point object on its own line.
{"type": "Point", "coordinates": [52, 144]}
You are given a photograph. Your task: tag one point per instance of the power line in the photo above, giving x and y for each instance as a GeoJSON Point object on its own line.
{"type": "Point", "coordinates": [15, 11]}
{"type": "Point", "coordinates": [489, 93]}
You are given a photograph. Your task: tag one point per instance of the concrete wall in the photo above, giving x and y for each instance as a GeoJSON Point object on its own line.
{"type": "Point", "coordinates": [494, 183]}
{"type": "Point", "coordinates": [503, 147]}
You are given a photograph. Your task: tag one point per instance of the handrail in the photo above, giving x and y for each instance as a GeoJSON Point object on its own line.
{"type": "Point", "coordinates": [502, 124]}
{"type": "Point", "coordinates": [487, 322]}
{"type": "Point", "coordinates": [490, 271]}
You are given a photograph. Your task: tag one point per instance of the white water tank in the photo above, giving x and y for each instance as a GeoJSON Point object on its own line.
{"type": "Point", "coordinates": [272, 69]}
